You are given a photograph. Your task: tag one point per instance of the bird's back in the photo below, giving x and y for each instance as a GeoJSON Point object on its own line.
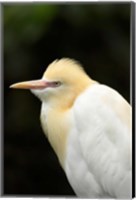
{"type": "Point", "coordinates": [99, 145]}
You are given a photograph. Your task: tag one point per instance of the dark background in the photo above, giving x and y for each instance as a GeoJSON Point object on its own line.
{"type": "Point", "coordinates": [98, 35]}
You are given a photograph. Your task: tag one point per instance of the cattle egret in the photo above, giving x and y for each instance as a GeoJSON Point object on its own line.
{"type": "Point", "coordinates": [88, 125]}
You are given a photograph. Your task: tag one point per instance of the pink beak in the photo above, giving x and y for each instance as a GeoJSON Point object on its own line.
{"type": "Point", "coordinates": [36, 84]}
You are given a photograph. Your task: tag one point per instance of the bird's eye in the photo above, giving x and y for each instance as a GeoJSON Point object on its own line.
{"type": "Point", "coordinates": [56, 83]}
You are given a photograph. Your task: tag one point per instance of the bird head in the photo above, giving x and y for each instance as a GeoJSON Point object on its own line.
{"type": "Point", "coordinates": [61, 83]}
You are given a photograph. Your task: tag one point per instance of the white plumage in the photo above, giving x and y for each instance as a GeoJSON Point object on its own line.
{"type": "Point", "coordinates": [89, 127]}
{"type": "Point", "coordinates": [99, 144]}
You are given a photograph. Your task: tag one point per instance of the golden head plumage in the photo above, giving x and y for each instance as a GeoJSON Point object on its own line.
{"type": "Point", "coordinates": [74, 80]}
{"type": "Point", "coordinates": [62, 67]}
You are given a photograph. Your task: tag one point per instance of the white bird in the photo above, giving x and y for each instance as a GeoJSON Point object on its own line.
{"type": "Point", "coordinates": [88, 125]}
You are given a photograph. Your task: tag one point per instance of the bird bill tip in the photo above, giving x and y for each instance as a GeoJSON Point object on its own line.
{"type": "Point", "coordinates": [21, 85]}
{"type": "Point", "coordinates": [12, 86]}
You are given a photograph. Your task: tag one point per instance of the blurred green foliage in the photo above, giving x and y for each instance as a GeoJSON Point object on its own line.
{"type": "Point", "coordinates": [25, 24]}
{"type": "Point", "coordinates": [96, 34]}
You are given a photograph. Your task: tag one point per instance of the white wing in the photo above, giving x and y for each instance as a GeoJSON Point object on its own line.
{"type": "Point", "coordinates": [103, 121]}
